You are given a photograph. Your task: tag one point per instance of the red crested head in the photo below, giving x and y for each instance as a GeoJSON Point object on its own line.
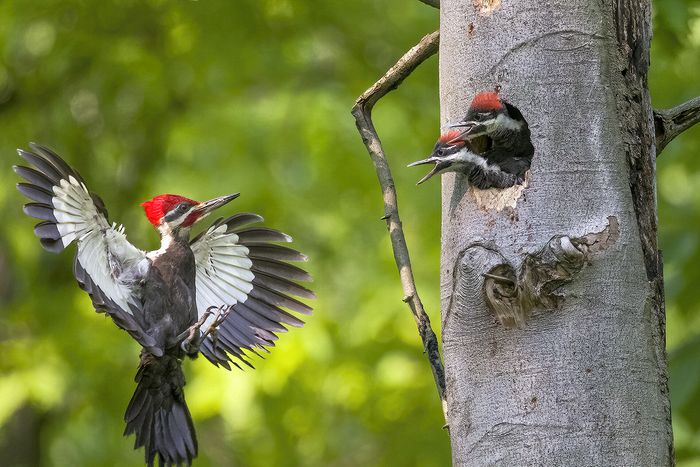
{"type": "Point", "coordinates": [159, 206]}
{"type": "Point", "coordinates": [450, 136]}
{"type": "Point", "coordinates": [486, 101]}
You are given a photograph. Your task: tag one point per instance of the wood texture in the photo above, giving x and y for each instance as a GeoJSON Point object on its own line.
{"type": "Point", "coordinates": [584, 384]}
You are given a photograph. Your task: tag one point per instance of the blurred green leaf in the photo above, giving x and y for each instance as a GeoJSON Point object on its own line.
{"type": "Point", "coordinates": [204, 98]}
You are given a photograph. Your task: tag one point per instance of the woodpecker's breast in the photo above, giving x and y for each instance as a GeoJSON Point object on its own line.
{"type": "Point", "coordinates": [175, 261]}
{"type": "Point", "coordinates": [169, 292]}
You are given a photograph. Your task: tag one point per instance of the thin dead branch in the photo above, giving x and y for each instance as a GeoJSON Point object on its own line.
{"type": "Point", "coordinates": [670, 123]}
{"type": "Point", "coordinates": [362, 111]}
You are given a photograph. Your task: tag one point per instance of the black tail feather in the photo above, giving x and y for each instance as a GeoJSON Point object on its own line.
{"type": "Point", "coordinates": [158, 414]}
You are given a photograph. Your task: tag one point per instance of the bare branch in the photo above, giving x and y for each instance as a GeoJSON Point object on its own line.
{"type": "Point", "coordinates": [391, 80]}
{"type": "Point", "coordinates": [433, 3]}
{"type": "Point", "coordinates": [670, 123]}
{"type": "Point", "coordinates": [362, 111]}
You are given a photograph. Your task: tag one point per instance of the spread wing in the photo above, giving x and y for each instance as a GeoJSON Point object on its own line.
{"type": "Point", "coordinates": [106, 265]}
{"type": "Point", "coordinates": [238, 266]}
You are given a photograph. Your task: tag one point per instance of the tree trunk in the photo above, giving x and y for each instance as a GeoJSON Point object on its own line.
{"type": "Point", "coordinates": [583, 382]}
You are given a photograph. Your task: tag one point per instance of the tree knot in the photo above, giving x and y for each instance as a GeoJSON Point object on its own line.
{"type": "Point", "coordinates": [513, 294]}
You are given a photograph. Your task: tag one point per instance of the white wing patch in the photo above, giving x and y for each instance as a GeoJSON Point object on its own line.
{"type": "Point", "coordinates": [224, 275]}
{"type": "Point", "coordinates": [74, 210]}
{"type": "Point", "coordinates": [103, 251]}
{"type": "Point", "coordinates": [106, 265]}
{"type": "Point", "coordinates": [242, 268]}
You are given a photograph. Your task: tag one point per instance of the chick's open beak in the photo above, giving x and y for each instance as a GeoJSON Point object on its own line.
{"type": "Point", "coordinates": [440, 164]}
{"type": "Point", "coordinates": [471, 129]}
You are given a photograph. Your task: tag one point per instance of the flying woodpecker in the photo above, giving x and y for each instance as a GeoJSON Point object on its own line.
{"type": "Point", "coordinates": [492, 147]}
{"type": "Point", "coordinates": [220, 294]}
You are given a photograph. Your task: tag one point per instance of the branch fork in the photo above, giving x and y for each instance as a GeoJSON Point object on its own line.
{"type": "Point", "coordinates": [362, 111]}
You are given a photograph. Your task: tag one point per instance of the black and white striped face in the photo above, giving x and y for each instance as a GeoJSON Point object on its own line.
{"type": "Point", "coordinates": [446, 153]}
{"type": "Point", "coordinates": [461, 158]}
{"type": "Point", "coordinates": [171, 214]}
{"type": "Point", "coordinates": [490, 122]}
{"type": "Point", "coordinates": [179, 214]}
{"type": "Point", "coordinates": [483, 117]}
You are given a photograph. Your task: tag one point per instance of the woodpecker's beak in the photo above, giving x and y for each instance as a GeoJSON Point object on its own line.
{"type": "Point", "coordinates": [471, 129]}
{"type": "Point", "coordinates": [204, 208]}
{"type": "Point", "coordinates": [440, 164]}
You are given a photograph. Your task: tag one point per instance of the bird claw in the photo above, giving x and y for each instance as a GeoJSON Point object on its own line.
{"type": "Point", "coordinates": [192, 338]}
{"type": "Point", "coordinates": [221, 315]}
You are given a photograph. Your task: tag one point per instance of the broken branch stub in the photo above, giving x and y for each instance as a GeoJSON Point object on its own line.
{"type": "Point", "coordinates": [512, 296]}
{"type": "Point", "coordinates": [669, 123]}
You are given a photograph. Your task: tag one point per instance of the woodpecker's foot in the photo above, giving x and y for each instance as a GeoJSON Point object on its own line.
{"type": "Point", "coordinates": [220, 316]}
{"type": "Point", "coordinates": [213, 329]}
{"type": "Point", "coordinates": [192, 338]}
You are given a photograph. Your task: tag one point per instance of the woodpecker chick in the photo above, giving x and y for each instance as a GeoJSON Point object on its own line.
{"type": "Point", "coordinates": [492, 146]}
{"type": "Point", "coordinates": [450, 154]}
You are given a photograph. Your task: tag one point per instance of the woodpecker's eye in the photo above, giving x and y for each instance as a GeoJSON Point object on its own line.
{"type": "Point", "coordinates": [182, 207]}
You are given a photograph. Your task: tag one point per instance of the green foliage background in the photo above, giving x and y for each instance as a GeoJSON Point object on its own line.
{"type": "Point", "coordinates": [205, 98]}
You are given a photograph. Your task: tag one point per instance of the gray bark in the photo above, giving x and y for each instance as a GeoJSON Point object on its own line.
{"type": "Point", "coordinates": [583, 381]}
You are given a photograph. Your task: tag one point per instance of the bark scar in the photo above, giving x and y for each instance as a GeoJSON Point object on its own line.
{"type": "Point", "coordinates": [486, 7]}
{"type": "Point", "coordinates": [512, 295]}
